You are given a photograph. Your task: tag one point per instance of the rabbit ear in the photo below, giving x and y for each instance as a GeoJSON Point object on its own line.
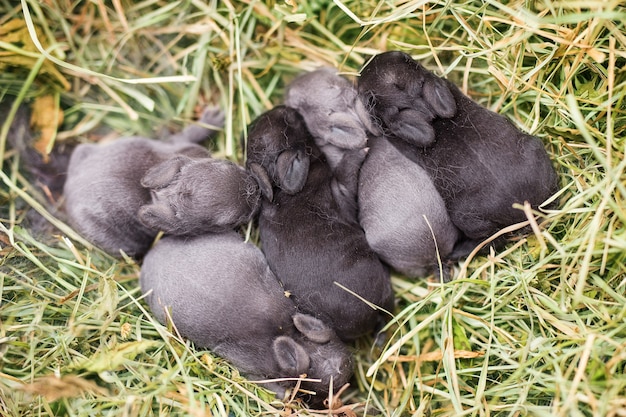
{"type": "Point", "coordinates": [260, 175]}
{"type": "Point", "coordinates": [411, 126]}
{"type": "Point", "coordinates": [345, 131]}
{"type": "Point", "coordinates": [163, 173]}
{"type": "Point", "coordinates": [365, 117]}
{"type": "Point", "coordinates": [292, 169]}
{"type": "Point", "coordinates": [313, 329]}
{"type": "Point", "coordinates": [438, 96]}
{"type": "Point", "coordinates": [291, 357]}
{"type": "Point", "coordinates": [158, 217]}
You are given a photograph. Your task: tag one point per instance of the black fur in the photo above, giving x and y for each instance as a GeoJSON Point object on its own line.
{"type": "Point", "coordinates": [223, 296]}
{"type": "Point", "coordinates": [479, 162]}
{"type": "Point", "coordinates": [309, 241]}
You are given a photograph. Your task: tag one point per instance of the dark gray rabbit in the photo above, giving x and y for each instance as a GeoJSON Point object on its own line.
{"type": "Point", "coordinates": [312, 243]}
{"type": "Point", "coordinates": [403, 215]}
{"type": "Point", "coordinates": [120, 194]}
{"type": "Point", "coordinates": [222, 296]}
{"type": "Point", "coordinates": [480, 162]}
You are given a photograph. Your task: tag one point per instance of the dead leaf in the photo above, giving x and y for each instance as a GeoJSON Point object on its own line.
{"type": "Point", "coordinates": [109, 297]}
{"type": "Point", "coordinates": [45, 119]}
{"type": "Point", "coordinates": [25, 53]}
{"type": "Point", "coordinates": [436, 356]}
{"type": "Point", "coordinates": [67, 386]}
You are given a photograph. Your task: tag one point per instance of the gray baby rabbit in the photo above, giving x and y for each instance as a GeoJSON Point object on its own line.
{"type": "Point", "coordinates": [480, 163]}
{"type": "Point", "coordinates": [310, 242]}
{"type": "Point", "coordinates": [223, 296]}
{"type": "Point", "coordinates": [332, 111]}
{"type": "Point", "coordinates": [339, 123]}
{"type": "Point", "coordinates": [120, 194]}
{"type": "Point", "coordinates": [404, 217]}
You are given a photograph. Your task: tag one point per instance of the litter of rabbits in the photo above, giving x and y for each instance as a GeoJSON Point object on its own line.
{"type": "Point", "coordinates": [395, 172]}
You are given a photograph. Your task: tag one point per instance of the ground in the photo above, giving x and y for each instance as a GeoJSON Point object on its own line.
{"type": "Point", "coordinates": [535, 329]}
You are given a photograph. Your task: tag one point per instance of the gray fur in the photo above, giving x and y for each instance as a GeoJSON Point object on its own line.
{"type": "Point", "coordinates": [340, 125]}
{"type": "Point", "coordinates": [194, 196]}
{"type": "Point", "coordinates": [104, 191]}
{"type": "Point", "coordinates": [332, 111]}
{"type": "Point", "coordinates": [311, 239]}
{"type": "Point", "coordinates": [223, 296]}
{"type": "Point", "coordinates": [395, 194]}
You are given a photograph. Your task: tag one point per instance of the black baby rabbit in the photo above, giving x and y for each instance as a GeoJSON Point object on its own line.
{"type": "Point", "coordinates": [315, 247]}
{"type": "Point", "coordinates": [480, 163]}
{"type": "Point", "coordinates": [120, 194]}
{"type": "Point", "coordinates": [222, 295]}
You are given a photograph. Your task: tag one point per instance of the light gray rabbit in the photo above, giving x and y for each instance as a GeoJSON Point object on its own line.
{"type": "Point", "coordinates": [314, 245]}
{"type": "Point", "coordinates": [339, 123]}
{"type": "Point", "coordinates": [332, 111]}
{"type": "Point", "coordinates": [194, 196]}
{"type": "Point", "coordinates": [223, 296]}
{"type": "Point", "coordinates": [120, 194]}
{"type": "Point", "coordinates": [404, 217]}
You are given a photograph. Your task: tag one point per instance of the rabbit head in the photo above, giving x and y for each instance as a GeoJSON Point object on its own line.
{"type": "Point", "coordinates": [331, 108]}
{"type": "Point", "coordinates": [192, 196]}
{"type": "Point", "coordinates": [316, 353]}
{"type": "Point", "coordinates": [405, 96]}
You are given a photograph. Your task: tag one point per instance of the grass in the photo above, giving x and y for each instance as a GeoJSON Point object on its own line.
{"type": "Point", "coordinates": [537, 329]}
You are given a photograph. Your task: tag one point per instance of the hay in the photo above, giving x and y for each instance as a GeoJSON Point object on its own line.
{"type": "Point", "coordinates": [538, 328]}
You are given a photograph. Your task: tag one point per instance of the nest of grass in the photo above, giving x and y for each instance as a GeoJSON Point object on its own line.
{"type": "Point", "coordinates": [536, 329]}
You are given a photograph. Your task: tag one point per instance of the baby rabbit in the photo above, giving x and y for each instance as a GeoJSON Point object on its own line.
{"type": "Point", "coordinates": [316, 250]}
{"type": "Point", "coordinates": [339, 123]}
{"type": "Point", "coordinates": [404, 217]}
{"type": "Point", "coordinates": [223, 297]}
{"type": "Point", "coordinates": [332, 111]}
{"type": "Point", "coordinates": [480, 163]}
{"type": "Point", "coordinates": [119, 195]}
